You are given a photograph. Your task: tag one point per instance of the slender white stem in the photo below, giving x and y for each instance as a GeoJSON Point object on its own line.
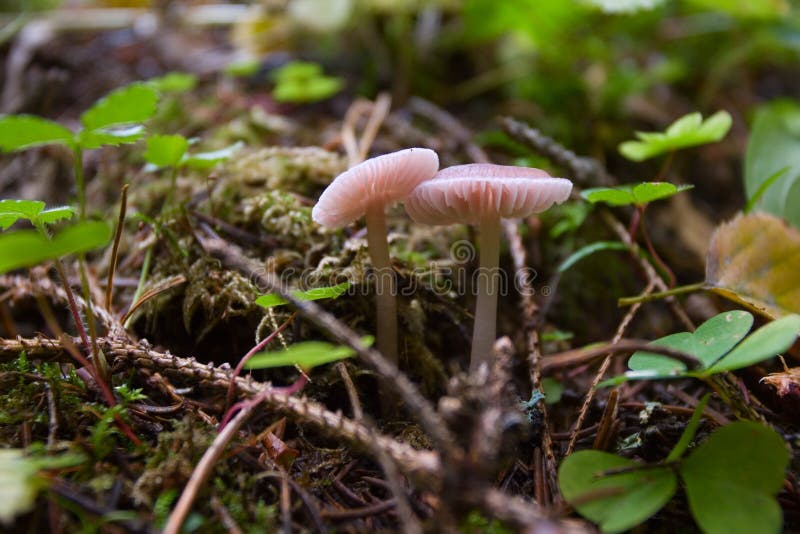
{"type": "Point", "coordinates": [488, 284]}
{"type": "Point", "coordinates": [385, 285]}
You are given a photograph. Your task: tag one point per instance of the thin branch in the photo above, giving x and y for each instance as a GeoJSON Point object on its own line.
{"type": "Point", "coordinates": [420, 465]}
{"type": "Point", "coordinates": [623, 346]}
{"type": "Point", "coordinates": [585, 171]}
{"type": "Point", "coordinates": [601, 372]}
{"type": "Point", "coordinates": [530, 315]}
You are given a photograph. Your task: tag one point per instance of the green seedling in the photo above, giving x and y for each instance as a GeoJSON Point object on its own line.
{"type": "Point", "coordinates": [115, 119]}
{"type": "Point", "coordinates": [302, 82]}
{"type": "Point", "coordinates": [330, 292]}
{"type": "Point", "coordinates": [718, 345]}
{"type": "Point", "coordinates": [25, 248]}
{"type": "Point", "coordinates": [171, 152]}
{"type": "Point", "coordinates": [731, 481]}
{"type": "Point", "coordinates": [689, 130]}
{"type": "Point", "coordinates": [639, 196]}
{"type": "Point", "coordinates": [33, 211]}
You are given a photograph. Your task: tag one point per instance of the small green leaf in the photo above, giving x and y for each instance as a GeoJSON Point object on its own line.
{"type": "Point", "coordinates": [54, 215]}
{"type": "Point", "coordinates": [303, 82]}
{"type": "Point", "coordinates": [732, 479]}
{"type": "Point", "coordinates": [649, 191]}
{"type": "Point", "coordinates": [305, 355]}
{"type": "Point", "coordinates": [658, 363]}
{"type": "Point", "coordinates": [616, 502]}
{"type": "Point", "coordinates": [25, 248]}
{"type": "Point", "coordinates": [689, 432]}
{"type": "Point", "coordinates": [766, 342]}
{"type": "Point", "coordinates": [330, 292]}
{"type": "Point", "coordinates": [553, 389]}
{"type": "Point", "coordinates": [13, 210]}
{"type": "Point", "coordinates": [712, 340]}
{"type": "Point", "coordinates": [636, 194]}
{"type": "Point", "coordinates": [118, 136]}
{"type": "Point", "coordinates": [18, 132]}
{"type": "Point", "coordinates": [718, 335]}
{"type": "Point", "coordinates": [131, 104]}
{"type": "Point", "coordinates": [173, 82]}
{"type": "Point", "coordinates": [18, 484]}
{"type": "Point", "coordinates": [689, 130]}
{"type": "Point", "coordinates": [206, 160]}
{"type": "Point", "coordinates": [165, 150]}
{"type": "Point", "coordinates": [613, 196]}
{"type": "Point", "coordinates": [588, 250]}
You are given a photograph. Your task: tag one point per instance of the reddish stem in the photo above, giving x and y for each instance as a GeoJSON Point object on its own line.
{"type": "Point", "coordinates": [287, 391]}
{"type": "Point", "coordinates": [656, 258]}
{"type": "Point", "coordinates": [263, 343]}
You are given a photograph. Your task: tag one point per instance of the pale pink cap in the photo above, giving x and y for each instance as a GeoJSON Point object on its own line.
{"type": "Point", "coordinates": [383, 180]}
{"type": "Point", "coordinates": [469, 193]}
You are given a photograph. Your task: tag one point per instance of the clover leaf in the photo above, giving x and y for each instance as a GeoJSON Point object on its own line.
{"type": "Point", "coordinates": [633, 194]}
{"type": "Point", "coordinates": [719, 345]}
{"type": "Point", "coordinates": [689, 130]}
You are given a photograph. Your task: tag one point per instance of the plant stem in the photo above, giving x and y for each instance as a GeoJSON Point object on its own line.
{"type": "Point", "coordinates": [73, 306]}
{"type": "Point", "coordinates": [656, 258]}
{"type": "Point", "coordinates": [488, 285]}
{"type": "Point", "coordinates": [662, 173]}
{"type": "Point", "coordinates": [148, 255]}
{"type": "Point", "coordinates": [680, 290]}
{"type": "Point", "coordinates": [77, 165]}
{"type": "Point", "coordinates": [173, 181]}
{"type": "Point", "coordinates": [385, 284]}
{"type": "Point", "coordinates": [100, 363]}
{"type": "Point", "coordinates": [115, 248]}
{"type": "Point", "coordinates": [259, 346]}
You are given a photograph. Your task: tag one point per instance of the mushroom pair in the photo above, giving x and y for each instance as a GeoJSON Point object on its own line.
{"type": "Point", "coordinates": [479, 194]}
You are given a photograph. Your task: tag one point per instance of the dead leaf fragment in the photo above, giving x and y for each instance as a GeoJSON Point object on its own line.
{"type": "Point", "coordinates": [754, 260]}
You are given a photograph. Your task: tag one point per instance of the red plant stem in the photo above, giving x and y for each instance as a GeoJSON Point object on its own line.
{"type": "Point", "coordinates": [73, 306]}
{"type": "Point", "coordinates": [81, 359]}
{"type": "Point", "coordinates": [263, 343]}
{"type": "Point", "coordinates": [250, 403]}
{"type": "Point", "coordinates": [662, 173]}
{"type": "Point", "coordinates": [656, 258]}
{"type": "Point", "coordinates": [634, 224]}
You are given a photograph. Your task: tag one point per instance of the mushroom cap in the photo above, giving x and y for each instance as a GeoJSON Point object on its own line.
{"type": "Point", "coordinates": [380, 180]}
{"type": "Point", "coordinates": [470, 193]}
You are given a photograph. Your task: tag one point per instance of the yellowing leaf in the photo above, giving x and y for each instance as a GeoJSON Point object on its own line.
{"type": "Point", "coordinates": [755, 260]}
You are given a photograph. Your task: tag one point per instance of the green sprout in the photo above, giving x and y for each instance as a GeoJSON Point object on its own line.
{"type": "Point", "coordinates": [115, 119]}
{"type": "Point", "coordinates": [689, 130]}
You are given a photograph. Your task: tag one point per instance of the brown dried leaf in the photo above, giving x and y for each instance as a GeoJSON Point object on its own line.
{"type": "Point", "coordinates": [755, 260]}
{"type": "Point", "coordinates": [786, 383]}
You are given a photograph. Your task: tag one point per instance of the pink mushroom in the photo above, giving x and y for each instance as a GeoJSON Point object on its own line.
{"type": "Point", "coordinates": [482, 194]}
{"type": "Point", "coordinates": [366, 189]}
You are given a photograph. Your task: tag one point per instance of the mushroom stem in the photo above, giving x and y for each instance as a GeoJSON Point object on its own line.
{"type": "Point", "coordinates": [385, 286]}
{"type": "Point", "coordinates": [488, 283]}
